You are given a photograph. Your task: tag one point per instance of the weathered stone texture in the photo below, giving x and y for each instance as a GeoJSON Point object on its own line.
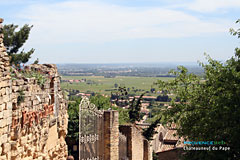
{"type": "Point", "coordinates": [36, 126]}
{"type": "Point", "coordinates": [138, 147]}
{"type": "Point", "coordinates": [111, 135]}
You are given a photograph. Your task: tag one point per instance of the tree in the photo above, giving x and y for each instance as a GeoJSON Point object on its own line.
{"type": "Point", "coordinates": [14, 40]}
{"type": "Point", "coordinates": [150, 131]}
{"type": "Point", "coordinates": [115, 85]}
{"type": "Point", "coordinates": [101, 102]}
{"type": "Point", "coordinates": [135, 108]}
{"type": "Point", "coordinates": [209, 109]}
{"type": "Point", "coordinates": [73, 118]}
{"type": "Point", "coordinates": [73, 124]}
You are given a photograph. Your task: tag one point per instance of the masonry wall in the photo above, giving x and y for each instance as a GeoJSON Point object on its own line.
{"type": "Point", "coordinates": [147, 151]}
{"type": "Point", "coordinates": [111, 135]}
{"type": "Point", "coordinates": [138, 147]}
{"type": "Point", "coordinates": [137, 143]}
{"type": "Point", "coordinates": [157, 141]}
{"type": "Point", "coordinates": [33, 114]}
{"type": "Point", "coordinates": [169, 155]}
{"type": "Point", "coordinates": [127, 131]}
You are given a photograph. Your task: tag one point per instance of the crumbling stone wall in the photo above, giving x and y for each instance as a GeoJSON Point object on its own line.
{"type": "Point", "coordinates": [33, 115]}
{"type": "Point", "coordinates": [157, 141]}
{"type": "Point", "coordinates": [137, 143]}
{"type": "Point", "coordinates": [138, 147]}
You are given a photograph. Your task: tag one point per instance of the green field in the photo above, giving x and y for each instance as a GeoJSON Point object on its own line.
{"type": "Point", "coordinates": [101, 84]}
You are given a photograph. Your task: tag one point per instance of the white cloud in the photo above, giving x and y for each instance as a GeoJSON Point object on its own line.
{"type": "Point", "coordinates": [74, 21]}
{"type": "Point", "coordinates": [212, 5]}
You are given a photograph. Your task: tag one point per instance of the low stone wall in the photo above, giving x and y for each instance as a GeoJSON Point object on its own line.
{"type": "Point", "coordinates": [33, 112]}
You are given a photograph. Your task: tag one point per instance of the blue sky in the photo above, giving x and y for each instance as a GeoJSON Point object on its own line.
{"type": "Point", "coordinates": [125, 31]}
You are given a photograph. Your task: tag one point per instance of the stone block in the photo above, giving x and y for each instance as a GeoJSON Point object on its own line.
{"type": "Point", "coordinates": [20, 149]}
{"type": "Point", "coordinates": [6, 129]}
{"type": "Point", "coordinates": [9, 105]}
{"type": "Point", "coordinates": [2, 123]}
{"type": "Point", "coordinates": [3, 106]}
{"type": "Point", "coordinates": [15, 88]}
{"type": "Point", "coordinates": [14, 95]}
{"type": "Point", "coordinates": [8, 91]}
{"type": "Point", "coordinates": [6, 58]}
{"type": "Point", "coordinates": [20, 82]}
{"type": "Point", "coordinates": [2, 91]}
{"type": "Point", "coordinates": [3, 84]}
{"type": "Point", "coordinates": [6, 147]}
{"type": "Point", "coordinates": [30, 136]}
{"type": "Point", "coordinates": [35, 102]}
{"type": "Point", "coordinates": [5, 98]}
{"type": "Point", "coordinates": [3, 157]}
{"type": "Point", "coordinates": [23, 140]}
{"type": "Point", "coordinates": [9, 120]}
{"type": "Point", "coordinates": [14, 83]}
{"type": "Point", "coordinates": [6, 114]}
{"type": "Point", "coordinates": [4, 138]}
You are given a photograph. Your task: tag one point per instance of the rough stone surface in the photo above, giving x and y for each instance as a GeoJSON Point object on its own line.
{"type": "Point", "coordinates": [111, 135]}
{"type": "Point", "coordinates": [26, 109]}
{"type": "Point", "coordinates": [137, 145]}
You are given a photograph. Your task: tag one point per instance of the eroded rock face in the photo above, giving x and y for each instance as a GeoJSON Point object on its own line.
{"type": "Point", "coordinates": [33, 111]}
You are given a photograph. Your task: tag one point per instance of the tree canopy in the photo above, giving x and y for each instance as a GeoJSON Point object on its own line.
{"type": "Point", "coordinates": [14, 41]}
{"type": "Point", "coordinates": [209, 108]}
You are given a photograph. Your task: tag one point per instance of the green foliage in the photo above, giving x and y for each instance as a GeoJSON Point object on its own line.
{"type": "Point", "coordinates": [235, 32]}
{"type": "Point", "coordinates": [101, 102]}
{"type": "Point", "coordinates": [13, 74]}
{"type": "Point", "coordinates": [208, 109]}
{"type": "Point", "coordinates": [73, 118]}
{"type": "Point", "coordinates": [106, 85]}
{"type": "Point", "coordinates": [14, 40]}
{"type": "Point", "coordinates": [150, 131]}
{"type": "Point", "coordinates": [20, 97]}
{"type": "Point", "coordinates": [127, 115]}
{"type": "Point", "coordinates": [41, 79]}
{"type": "Point", "coordinates": [36, 61]}
{"type": "Point", "coordinates": [154, 156]}
{"type": "Point", "coordinates": [123, 115]}
{"type": "Point", "coordinates": [135, 107]}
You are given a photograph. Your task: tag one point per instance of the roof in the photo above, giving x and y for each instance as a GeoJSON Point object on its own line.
{"type": "Point", "coordinates": [152, 97]}
{"type": "Point", "coordinates": [170, 135]}
{"type": "Point", "coordinates": [166, 147]}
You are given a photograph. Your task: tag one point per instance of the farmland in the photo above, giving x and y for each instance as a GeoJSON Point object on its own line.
{"type": "Point", "coordinates": [99, 84]}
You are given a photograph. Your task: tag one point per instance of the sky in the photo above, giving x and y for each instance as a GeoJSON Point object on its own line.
{"type": "Point", "coordinates": [126, 31]}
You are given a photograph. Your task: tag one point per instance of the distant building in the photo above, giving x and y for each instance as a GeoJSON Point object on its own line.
{"type": "Point", "coordinates": [147, 98]}
{"type": "Point", "coordinates": [166, 143]}
{"type": "Point", "coordinates": [83, 94]}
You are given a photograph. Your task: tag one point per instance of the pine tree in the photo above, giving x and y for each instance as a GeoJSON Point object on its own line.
{"type": "Point", "coordinates": [14, 41]}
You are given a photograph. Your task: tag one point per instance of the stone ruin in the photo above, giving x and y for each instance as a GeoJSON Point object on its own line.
{"type": "Point", "coordinates": [33, 112]}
